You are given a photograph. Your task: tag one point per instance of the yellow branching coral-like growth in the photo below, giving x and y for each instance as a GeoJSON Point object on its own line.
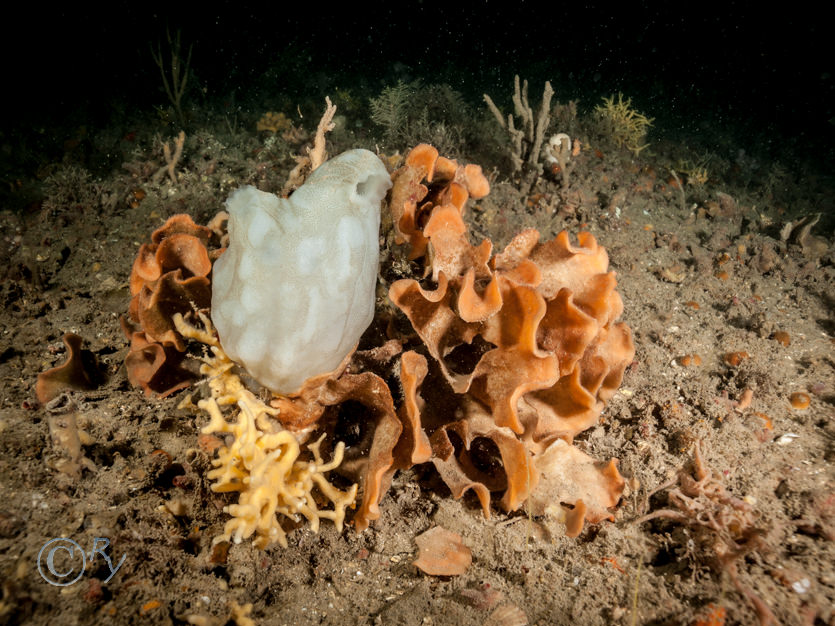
{"type": "Point", "coordinates": [628, 126]}
{"type": "Point", "coordinates": [263, 462]}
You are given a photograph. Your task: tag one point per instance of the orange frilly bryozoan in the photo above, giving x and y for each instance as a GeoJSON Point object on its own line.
{"type": "Point", "coordinates": [529, 344]}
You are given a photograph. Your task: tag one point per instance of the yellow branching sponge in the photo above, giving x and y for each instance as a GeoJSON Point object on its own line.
{"type": "Point", "coordinates": [263, 461]}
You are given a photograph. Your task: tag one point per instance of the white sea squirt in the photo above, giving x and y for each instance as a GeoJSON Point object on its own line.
{"type": "Point", "coordinates": [295, 289]}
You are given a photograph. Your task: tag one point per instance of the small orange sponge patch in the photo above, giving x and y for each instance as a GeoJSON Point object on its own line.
{"type": "Point", "coordinates": [800, 400]}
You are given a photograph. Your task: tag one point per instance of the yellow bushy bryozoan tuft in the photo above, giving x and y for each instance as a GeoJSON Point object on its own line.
{"type": "Point", "coordinates": [628, 126]}
{"type": "Point", "coordinates": [274, 122]}
{"type": "Point", "coordinates": [263, 462]}
{"type": "Point", "coordinates": [696, 174]}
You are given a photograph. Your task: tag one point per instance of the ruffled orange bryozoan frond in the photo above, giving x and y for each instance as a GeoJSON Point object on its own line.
{"type": "Point", "coordinates": [528, 341]}
{"type": "Point", "coordinates": [427, 180]}
{"type": "Point", "coordinates": [170, 275]}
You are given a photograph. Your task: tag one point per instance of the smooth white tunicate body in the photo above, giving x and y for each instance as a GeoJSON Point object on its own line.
{"type": "Point", "coordinates": [295, 289]}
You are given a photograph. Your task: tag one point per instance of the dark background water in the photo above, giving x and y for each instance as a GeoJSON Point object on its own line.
{"type": "Point", "coordinates": [734, 64]}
